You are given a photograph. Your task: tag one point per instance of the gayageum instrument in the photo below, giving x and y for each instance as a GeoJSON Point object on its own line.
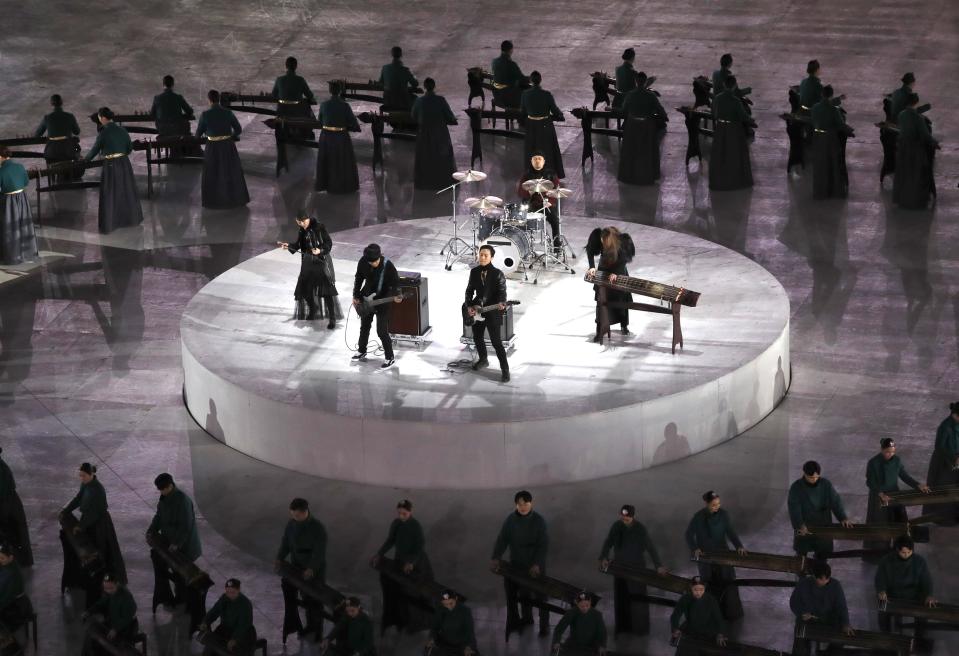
{"type": "Point", "coordinates": [704, 646]}
{"type": "Point", "coordinates": [355, 90]}
{"type": "Point", "coordinates": [865, 532]}
{"type": "Point", "coordinates": [940, 613]}
{"type": "Point", "coordinates": [872, 640]}
{"type": "Point", "coordinates": [330, 599]}
{"type": "Point", "coordinates": [83, 546]}
{"type": "Point", "coordinates": [941, 494]}
{"type": "Point", "coordinates": [126, 119]}
{"type": "Point", "coordinates": [651, 578]}
{"type": "Point", "coordinates": [426, 591]}
{"type": "Point", "coordinates": [189, 571]}
{"type": "Point", "coordinates": [218, 646]}
{"type": "Point", "coordinates": [796, 565]}
{"type": "Point", "coordinates": [547, 592]}
{"type": "Point", "coordinates": [113, 647]}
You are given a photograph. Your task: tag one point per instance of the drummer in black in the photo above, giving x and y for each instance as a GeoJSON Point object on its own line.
{"type": "Point", "coordinates": [434, 165]}
{"type": "Point", "coordinates": [537, 170]}
{"type": "Point", "coordinates": [335, 162]}
{"type": "Point", "coordinates": [62, 143]}
{"type": "Point", "coordinates": [377, 277]}
{"type": "Point", "coordinates": [487, 286]}
{"type": "Point", "coordinates": [541, 111]}
{"type": "Point", "coordinates": [293, 97]}
{"type": "Point", "coordinates": [224, 185]}
{"type": "Point", "coordinates": [172, 115]}
{"type": "Point", "coordinates": [642, 133]}
{"type": "Point", "coordinates": [398, 82]}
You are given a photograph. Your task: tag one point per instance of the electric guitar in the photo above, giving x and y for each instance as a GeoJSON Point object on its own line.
{"type": "Point", "coordinates": [368, 304]}
{"type": "Point", "coordinates": [480, 309]}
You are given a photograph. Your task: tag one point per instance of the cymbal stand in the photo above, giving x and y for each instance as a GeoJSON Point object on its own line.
{"type": "Point", "coordinates": [561, 238]}
{"type": "Point", "coordinates": [456, 248]}
{"type": "Point", "coordinates": [548, 258]}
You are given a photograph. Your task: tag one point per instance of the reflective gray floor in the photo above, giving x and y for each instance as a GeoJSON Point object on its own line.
{"type": "Point", "coordinates": [90, 350]}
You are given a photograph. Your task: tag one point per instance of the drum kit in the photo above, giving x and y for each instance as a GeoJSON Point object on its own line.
{"type": "Point", "coordinates": [517, 234]}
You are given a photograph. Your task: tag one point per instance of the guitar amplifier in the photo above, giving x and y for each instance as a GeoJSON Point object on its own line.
{"type": "Point", "coordinates": [411, 316]}
{"type": "Point", "coordinates": [506, 328]}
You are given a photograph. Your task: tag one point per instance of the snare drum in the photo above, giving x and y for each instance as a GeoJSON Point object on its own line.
{"type": "Point", "coordinates": [515, 214]}
{"type": "Point", "coordinates": [486, 221]}
{"type": "Point", "coordinates": [512, 246]}
{"type": "Point", "coordinates": [534, 223]}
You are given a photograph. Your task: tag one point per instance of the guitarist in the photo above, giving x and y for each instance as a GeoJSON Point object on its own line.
{"type": "Point", "coordinates": [376, 275]}
{"type": "Point", "coordinates": [487, 285]}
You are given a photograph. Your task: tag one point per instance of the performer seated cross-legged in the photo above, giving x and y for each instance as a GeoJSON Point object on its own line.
{"type": "Point", "coordinates": [711, 529]}
{"type": "Point", "coordinates": [398, 82]}
{"type": "Point", "coordinates": [538, 170]}
{"type": "Point", "coordinates": [175, 522]}
{"type": "Point", "coordinates": [625, 77]}
{"type": "Point", "coordinates": [317, 279]}
{"type": "Point", "coordinates": [293, 97]}
{"type": "Point", "coordinates": [913, 182]}
{"type": "Point", "coordinates": [376, 276]}
{"type": "Point", "coordinates": [434, 165]}
{"type": "Point", "coordinates": [818, 599]}
{"type": "Point", "coordinates": [697, 614]}
{"type": "Point", "coordinates": [15, 606]}
{"type": "Point", "coordinates": [904, 574]}
{"type": "Point", "coordinates": [813, 501]}
{"type": "Point", "coordinates": [642, 133]}
{"type": "Point", "coordinates": [451, 633]}
{"type": "Point", "coordinates": [62, 144]}
{"type": "Point", "coordinates": [508, 79]}
{"type": "Point", "coordinates": [117, 612]}
{"type": "Point", "coordinates": [172, 115]}
{"type": "Point", "coordinates": [541, 111]}
{"type": "Point", "coordinates": [487, 286]}
{"type": "Point", "coordinates": [224, 185]}
{"type": "Point", "coordinates": [335, 161]}
{"type": "Point", "coordinates": [119, 198]}
{"type": "Point", "coordinates": [729, 163]}
{"type": "Point", "coordinates": [587, 630]}
{"type": "Point", "coordinates": [235, 613]}
{"type": "Point", "coordinates": [830, 178]}
{"type": "Point", "coordinates": [944, 463]}
{"type": "Point", "coordinates": [615, 250]}
{"type": "Point", "coordinates": [18, 240]}
{"type": "Point", "coordinates": [304, 544]}
{"type": "Point", "coordinates": [353, 634]}
{"type": "Point", "coordinates": [883, 472]}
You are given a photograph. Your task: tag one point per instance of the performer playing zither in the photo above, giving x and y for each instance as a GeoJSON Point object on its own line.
{"type": "Point", "coordinates": [304, 543]}
{"type": "Point", "coordinates": [118, 612]}
{"type": "Point", "coordinates": [904, 575]}
{"type": "Point", "coordinates": [913, 182]}
{"type": "Point", "coordinates": [352, 635]}
{"type": "Point", "coordinates": [830, 178]}
{"type": "Point", "coordinates": [375, 276]}
{"type": "Point", "coordinates": [13, 520]}
{"type": "Point", "coordinates": [882, 473]}
{"type": "Point", "coordinates": [587, 630]}
{"type": "Point", "coordinates": [724, 73]}
{"type": "Point", "coordinates": [711, 529]}
{"type": "Point", "coordinates": [729, 164]}
{"type": "Point", "coordinates": [524, 534]}
{"type": "Point", "coordinates": [703, 618]}
{"type": "Point", "coordinates": [818, 598]}
{"type": "Point", "coordinates": [810, 89]}
{"type": "Point", "coordinates": [119, 199]}
{"type": "Point", "coordinates": [15, 606]}
{"type": "Point", "coordinates": [434, 164]}
{"type": "Point", "coordinates": [452, 631]}
{"type": "Point", "coordinates": [642, 133]}
{"type": "Point", "coordinates": [899, 99]}
{"type": "Point", "coordinates": [18, 241]}
{"type": "Point", "coordinates": [172, 114]}
{"type": "Point", "coordinates": [398, 82]}
{"type": "Point", "coordinates": [541, 111]}
{"type": "Point", "coordinates": [317, 279]}
{"type": "Point", "coordinates": [235, 612]}
{"type": "Point", "coordinates": [537, 170]}
{"type": "Point", "coordinates": [615, 250]}
{"type": "Point", "coordinates": [508, 79]}
{"type": "Point", "coordinates": [625, 77]}
{"type": "Point", "coordinates": [293, 97]}
{"type": "Point", "coordinates": [944, 463]}
{"type": "Point", "coordinates": [630, 541]}
{"type": "Point", "coordinates": [813, 501]}
{"type": "Point", "coordinates": [487, 286]}
{"type": "Point", "coordinates": [335, 162]}
{"type": "Point", "coordinates": [224, 185]}
{"type": "Point", "coordinates": [61, 129]}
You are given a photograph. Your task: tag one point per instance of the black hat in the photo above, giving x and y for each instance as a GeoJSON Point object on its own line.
{"type": "Point", "coordinates": [811, 467]}
{"type": "Point", "coordinates": [372, 253]}
{"type": "Point", "coordinates": [6, 549]}
{"type": "Point", "coordinates": [908, 78]}
{"type": "Point", "coordinates": [628, 510]}
{"type": "Point", "coordinates": [696, 580]}
{"type": "Point", "coordinates": [886, 442]}
{"type": "Point", "coordinates": [163, 480]}
{"type": "Point", "coordinates": [584, 596]}
{"type": "Point", "coordinates": [405, 504]}
{"type": "Point", "coordinates": [709, 496]}
{"type": "Point", "coordinates": [353, 602]}
{"type": "Point", "coordinates": [110, 578]}
{"type": "Point", "coordinates": [233, 583]}
{"type": "Point", "coordinates": [87, 468]}
{"type": "Point", "coordinates": [106, 113]}
{"type": "Point", "coordinates": [448, 594]}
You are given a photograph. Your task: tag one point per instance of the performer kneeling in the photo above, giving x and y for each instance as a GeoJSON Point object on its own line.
{"type": "Point", "coordinates": [587, 630]}
{"type": "Point", "coordinates": [729, 164]}
{"type": "Point", "coordinates": [913, 181]}
{"type": "Point", "coordinates": [18, 241]}
{"type": "Point", "coordinates": [704, 620]}
{"type": "Point", "coordinates": [818, 598]}
{"type": "Point", "coordinates": [118, 613]}
{"type": "Point", "coordinates": [317, 279]}
{"type": "Point", "coordinates": [235, 613]}
{"type": "Point", "coordinates": [335, 161]}
{"type": "Point", "coordinates": [642, 133]}
{"type": "Point", "coordinates": [486, 286]}
{"type": "Point", "coordinates": [15, 606]}
{"type": "Point", "coordinates": [830, 178]}
{"type": "Point", "coordinates": [615, 250]}
{"type": "Point", "coordinates": [711, 529]}
{"type": "Point", "coordinates": [224, 186]}
{"type": "Point", "coordinates": [535, 202]}
{"type": "Point", "coordinates": [883, 472]}
{"type": "Point", "coordinates": [434, 165]}
{"type": "Point", "coordinates": [119, 199]}
{"type": "Point", "coordinates": [944, 463]}
{"type": "Point", "coordinates": [352, 635]}
{"type": "Point", "coordinates": [375, 277]}
{"type": "Point", "coordinates": [452, 631]}
{"type": "Point", "coordinates": [904, 575]}
{"type": "Point", "coordinates": [304, 542]}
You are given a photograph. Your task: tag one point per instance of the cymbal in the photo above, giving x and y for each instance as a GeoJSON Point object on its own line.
{"type": "Point", "coordinates": [484, 203]}
{"type": "Point", "coordinates": [469, 176]}
{"type": "Point", "coordinates": [492, 211]}
{"type": "Point", "coordinates": [538, 186]}
{"type": "Point", "coordinates": [559, 192]}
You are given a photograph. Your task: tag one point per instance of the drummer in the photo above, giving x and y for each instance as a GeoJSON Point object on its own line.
{"type": "Point", "coordinates": [534, 201]}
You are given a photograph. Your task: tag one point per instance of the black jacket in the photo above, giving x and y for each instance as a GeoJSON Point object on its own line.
{"type": "Point", "coordinates": [367, 279]}
{"type": "Point", "coordinates": [493, 291]}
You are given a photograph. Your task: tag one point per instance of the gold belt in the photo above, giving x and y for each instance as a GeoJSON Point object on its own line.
{"type": "Point", "coordinates": [818, 130]}
{"type": "Point", "coordinates": [498, 86]}
{"type": "Point", "coordinates": [289, 102]}
{"type": "Point", "coordinates": [56, 138]}
{"type": "Point", "coordinates": [331, 128]}
{"type": "Point", "coordinates": [114, 155]}
{"type": "Point", "coordinates": [804, 107]}
{"type": "Point", "coordinates": [11, 193]}
{"type": "Point", "coordinates": [538, 118]}
{"type": "Point", "coordinates": [722, 120]}
{"type": "Point", "coordinates": [222, 137]}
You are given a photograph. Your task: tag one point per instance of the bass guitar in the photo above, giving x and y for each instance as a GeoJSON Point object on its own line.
{"type": "Point", "coordinates": [368, 304]}
{"type": "Point", "coordinates": [480, 309]}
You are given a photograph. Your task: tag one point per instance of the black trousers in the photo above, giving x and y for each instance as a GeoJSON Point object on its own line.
{"type": "Point", "coordinates": [382, 314]}
{"type": "Point", "coordinates": [518, 607]}
{"type": "Point", "coordinates": [479, 329]}
{"type": "Point", "coordinates": [552, 217]}
{"type": "Point", "coordinates": [162, 576]}
{"type": "Point", "coordinates": [291, 612]}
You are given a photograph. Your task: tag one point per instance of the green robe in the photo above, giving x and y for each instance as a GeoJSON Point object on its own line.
{"type": "Point", "coordinates": [454, 627]}
{"type": "Point", "coordinates": [354, 633]}
{"type": "Point", "coordinates": [118, 609]}
{"type": "Point", "coordinates": [586, 630]}
{"type": "Point", "coordinates": [813, 505]}
{"type": "Point", "coordinates": [526, 538]}
{"type": "Point", "coordinates": [625, 78]}
{"type": "Point", "coordinates": [703, 617]}
{"type": "Point", "coordinates": [810, 92]}
{"type": "Point", "coordinates": [175, 520]}
{"type": "Point", "coordinates": [643, 103]}
{"type": "Point", "coordinates": [8, 485]}
{"type": "Point", "coordinates": [291, 86]}
{"type": "Point", "coordinates": [395, 76]}
{"type": "Point", "coordinates": [408, 540]}
{"type": "Point", "coordinates": [728, 107]}
{"type": "Point", "coordinates": [58, 123]}
{"type": "Point", "coordinates": [630, 544]}
{"type": "Point", "coordinates": [882, 475]}
{"type": "Point", "coordinates": [236, 615]}
{"type": "Point", "coordinates": [913, 127]}
{"type": "Point", "coordinates": [904, 579]}
{"type": "Point", "coordinates": [111, 139]}
{"type": "Point", "coordinates": [506, 71]}
{"type": "Point", "coordinates": [826, 116]}
{"type": "Point", "coordinates": [92, 502]}
{"type": "Point", "coordinates": [337, 113]}
{"type": "Point", "coordinates": [305, 543]}
{"type": "Point", "coordinates": [539, 102]}
{"type": "Point", "coordinates": [170, 106]}
{"type": "Point", "coordinates": [13, 176]}
{"type": "Point", "coordinates": [711, 530]}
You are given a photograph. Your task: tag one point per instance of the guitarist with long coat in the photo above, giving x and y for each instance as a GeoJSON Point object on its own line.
{"type": "Point", "coordinates": [487, 286]}
{"type": "Point", "coordinates": [375, 275]}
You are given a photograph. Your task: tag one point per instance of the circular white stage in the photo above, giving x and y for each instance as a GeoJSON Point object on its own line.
{"type": "Point", "coordinates": [286, 392]}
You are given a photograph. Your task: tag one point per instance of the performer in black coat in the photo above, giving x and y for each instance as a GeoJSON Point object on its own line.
{"type": "Point", "coordinates": [119, 198]}
{"type": "Point", "coordinates": [729, 164]}
{"type": "Point", "coordinates": [434, 165]}
{"type": "Point", "coordinates": [643, 131]}
{"type": "Point", "coordinates": [13, 521]}
{"type": "Point", "coordinates": [317, 279]}
{"type": "Point", "coordinates": [537, 170]}
{"type": "Point", "coordinates": [913, 182]}
{"type": "Point", "coordinates": [376, 276]}
{"type": "Point", "coordinates": [224, 185]}
{"type": "Point", "coordinates": [541, 111]}
{"type": "Point", "coordinates": [335, 162]}
{"type": "Point", "coordinates": [486, 286]}
{"type": "Point", "coordinates": [615, 251]}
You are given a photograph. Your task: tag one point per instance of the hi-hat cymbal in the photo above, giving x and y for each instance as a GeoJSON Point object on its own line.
{"type": "Point", "coordinates": [484, 203]}
{"type": "Point", "coordinates": [469, 176]}
{"type": "Point", "coordinates": [538, 186]}
{"type": "Point", "coordinates": [559, 192]}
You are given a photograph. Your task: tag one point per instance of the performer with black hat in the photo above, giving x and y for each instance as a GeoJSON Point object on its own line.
{"type": "Point", "coordinates": [398, 82]}
{"type": "Point", "coordinates": [913, 182]}
{"type": "Point", "coordinates": [587, 630]}
{"type": "Point", "coordinates": [813, 501]}
{"type": "Point", "coordinates": [487, 286]}
{"type": "Point", "coordinates": [729, 164]}
{"type": "Point", "coordinates": [375, 276]}
{"type": "Point", "coordinates": [235, 612]}
{"type": "Point", "coordinates": [335, 162]}
{"type": "Point", "coordinates": [703, 619]}
{"type": "Point", "coordinates": [625, 77]}
{"type": "Point", "coordinates": [15, 606]}
{"type": "Point", "coordinates": [119, 199]}
{"type": "Point", "coordinates": [883, 472]}
{"type": "Point", "coordinates": [353, 634]}
{"type": "Point", "coordinates": [630, 542]}
{"type": "Point", "coordinates": [642, 134]}
{"type": "Point", "coordinates": [406, 538]}
{"type": "Point", "coordinates": [118, 613]}
{"type": "Point", "coordinates": [18, 241]}
{"type": "Point", "coordinates": [304, 543]}
{"type": "Point", "coordinates": [317, 279]}
{"type": "Point", "coordinates": [224, 185]}
{"type": "Point", "coordinates": [434, 164]}
{"type": "Point", "coordinates": [293, 97]}
{"type": "Point", "coordinates": [524, 534]}
{"type": "Point", "coordinates": [711, 529]}
{"type": "Point", "coordinates": [508, 79]}
{"type": "Point", "coordinates": [452, 631]}
{"type": "Point", "coordinates": [62, 144]}
{"type": "Point", "coordinates": [830, 178]}
{"type": "Point", "coordinates": [96, 523]}
{"type": "Point", "coordinates": [944, 463]}
{"type": "Point", "coordinates": [541, 111]}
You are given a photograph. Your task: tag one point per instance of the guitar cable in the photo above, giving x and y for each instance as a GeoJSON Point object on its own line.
{"type": "Point", "coordinates": [373, 346]}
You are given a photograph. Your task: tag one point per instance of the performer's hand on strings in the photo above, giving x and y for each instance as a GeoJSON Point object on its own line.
{"type": "Point", "coordinates": [847, 523]}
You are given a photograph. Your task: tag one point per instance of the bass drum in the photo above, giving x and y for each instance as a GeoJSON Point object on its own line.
{"type": "Point", "coordinates": [512, 246]}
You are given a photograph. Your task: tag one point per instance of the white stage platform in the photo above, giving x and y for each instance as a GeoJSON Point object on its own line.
{"type": "Point", "coordinates": [286, 392]}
